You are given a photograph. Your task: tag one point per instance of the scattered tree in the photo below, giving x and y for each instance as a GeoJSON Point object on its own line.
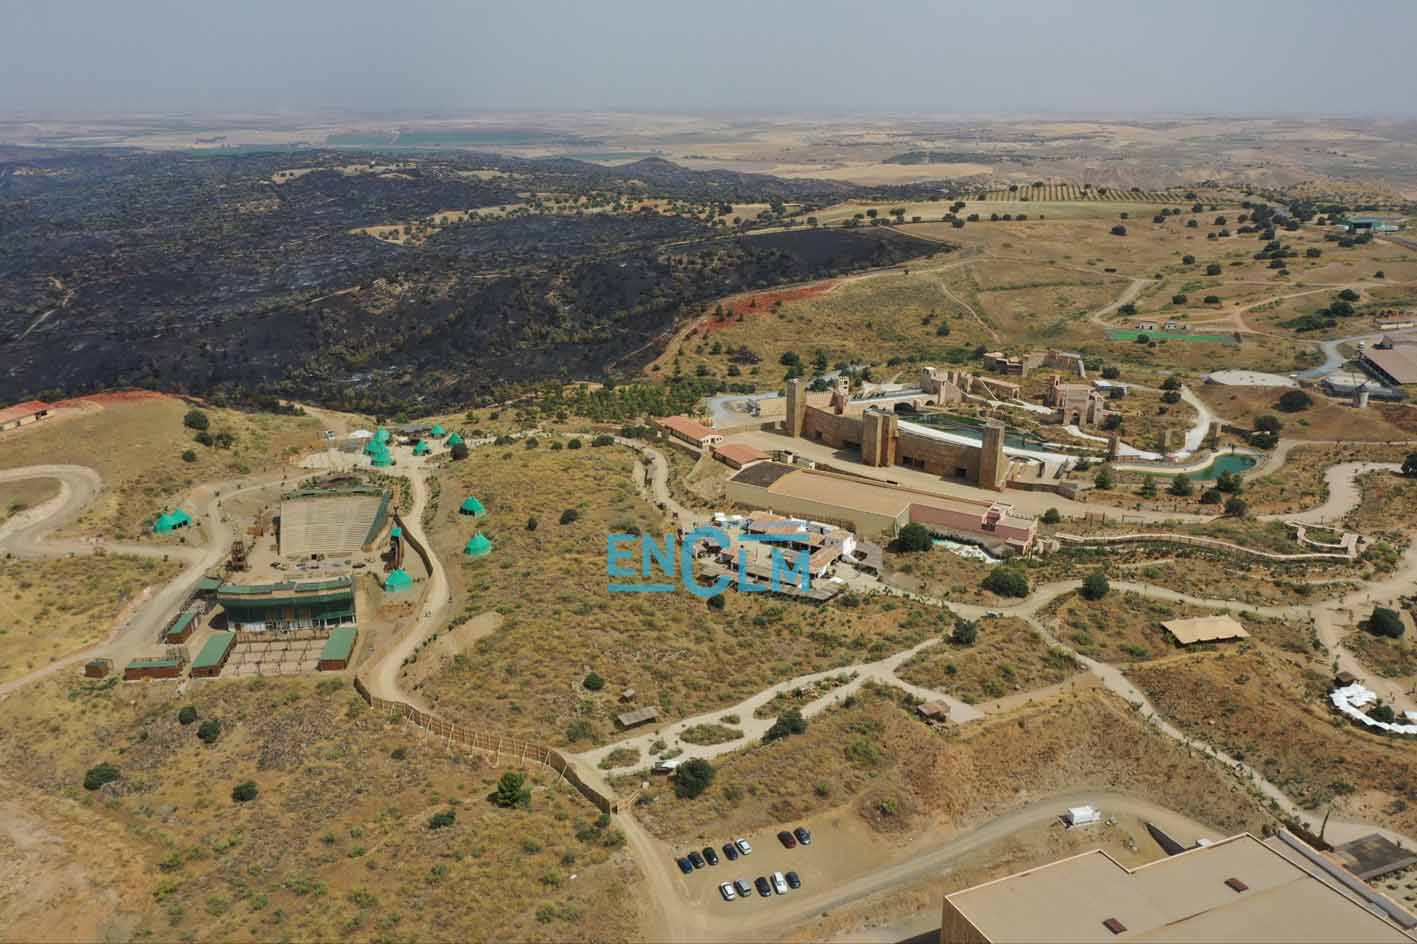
{"type": "Point", "coordinates": [1180, 485]}
{"type": "Point", "coordinates": [1236, 507]}
{"type": "Point", "coordinates": [512, 791]}
{"type": "Point", "coordinates": [593, 682]}
{"type": "Point", "coordinates": [1385, 622]}
{"type": "Point", "coordinates": [444, 818]}
{"type": "Point", "coordinates": [1052, 516]}
{"type": "Point", "coordinates": [1095, 586]}
{"type": "Point", "coordinates": [98, 776]}
{"type": "Point", "coordinates": [914, 537]}
{"type": "Point", "coordinates": [788, 723]}
{"type": "Point", "coordinates": [693, 778]}
{"type": "Point", "coordinates": [965, 632]}
{"type": "Point", "coordinates": [209, 731]}
{"type": "Point", "coordinates": [245, 791]}
{"type": "Point", "coordinates": [187, 715]}
{"type": "Point", "coordinates": [196, 419]}
{"type": "Point", "coordinates": [569, 516]}
{"type": "Point", "coordinates": [1292, 401]}
{"type": "Point", "coordinates": [1006, 582]}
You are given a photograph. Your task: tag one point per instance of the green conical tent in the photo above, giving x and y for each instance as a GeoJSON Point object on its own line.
{"type": "Point", "coordinates": [437, 430]}
{"type": "Point", "coordinates": [422, 449]}
{"type": "Point", "coordinates": [397, 580]}
{"type": "Point", "coordinates": [478, 546]}
{"type": "Point", "coordinates": [396, 532]}
{"type": "Point", "coordinates": [381, 457]}
{"type": "Point", "coordinates": [382, 436]}
{"type": "Point", "coordinates": [454, 439]}
{"type": "Point", "coordinates": [172, 521]}
{"type": "Point", "coordinates": [471, 506]}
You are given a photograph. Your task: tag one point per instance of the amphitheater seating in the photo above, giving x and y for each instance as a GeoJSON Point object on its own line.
{"type": "Point", "coordinates": [331, 526]}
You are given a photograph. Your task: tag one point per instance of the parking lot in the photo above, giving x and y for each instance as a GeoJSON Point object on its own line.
{"type": "Point", "coordinates": [760, 866]}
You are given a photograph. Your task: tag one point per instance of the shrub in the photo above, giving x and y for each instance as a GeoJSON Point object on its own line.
{"type": "Point", "coordinates": [693, 778]}
{"type": "Point", "coordinates": [914, 537]}
{"type": "Point", "coordinates": [203, 438]}
{"type": "Point", "coordinates": [189, 456]}
{"type": "Point", "coordinates": [209, 731]}
{"type": "Point", "coordinates": [1119, 230]}
{"type": "Point", "coordinates": [1409, 465]}
{"type": "Point", "coordinates": [187, 715]}
{"type": "Point", "coordinates": [716, 602]}
{"type": "Point", "coordinates": [531, 523]}
{"type": "Point", "coordinates": [1006, 582]}
{"type": "Point", "coordinates": [512, 791]}
{"type": "Point", "coordinates": [1188, 260]}
{"type": "Point", "coordinates": [459, 452]}
{"type": "Point", "coordinates": [245, 791]}
{"type": "Point", "coordinates": [1383, 713]}
{"type": "Point", "coordinates": [1111, 373]}
{"type": "Point", "coordinates": [1213, 269]}
{"type": "Point", "coordinates": [1383, 622]}
{"type": "Point", "coordinates": [1095, 586]}
{"type": "Point", "coordinates": [99, 775]}
{"type": "Point", "coordinates": [1269, 423]}
{"type": "Point", "coordinates": [787, 723]}
{"type": "Point", "coordinates": [569, 516]}
{"type": "Point", "coordinates": [593, 682]}
{"type": "Point", "coordinates": [965, 632]}
{"type": "Point", "coordinates": [1180, 485]}
{"type": "Point", "coordinates": [1212, 299]}
{"type": "Point", "coordinates": [1103, 479]}
{"type": "Point", "coordinates": [1236, 507]}
{"type": "Point", "coordinates": [1178, 299]}
{"type": "Point", "coordinates": [1292, 401]}
{"type": "Point", "coordinates": [196, 419]}
{"type": "Point", "coordinates": [1051, 516]}
{"type": "Point", "coordinates": [1211, 496]}
{"type": "Point", "coordinates": [442, 820]}
{"type": "Point", "coordinates": [574, 444]}
{"type": "Point", "coordinates": [1171, 383]}
{"type": "Point", "coordinates": [604, 439]}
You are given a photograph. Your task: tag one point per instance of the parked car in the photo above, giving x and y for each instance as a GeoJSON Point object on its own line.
{"type": "Point", "coordinates": [726, 890]}
{"type": "Point", "coordinates": [697, 860]}
{"type": "Point", "coordinates": [787, 839]}
{"type": "Point", "coordinates": [684, 864]}
{"type": "Point", "coordinates": [763, 887]}
{"type": "Point", "coordinates": [731, 851]}
{"type": "Point", "coordinates": [803, 836]}
{"type": "Point", "coordinates": [710, 856]}
{"type": "Point", "coordinates": [743, 846]}
{"type": "Point", "coordinates": [779, 883]}
{"type": "Point", "coordinates": [793, 881]}
{"type": "Point", "coordinates": [743, 888]}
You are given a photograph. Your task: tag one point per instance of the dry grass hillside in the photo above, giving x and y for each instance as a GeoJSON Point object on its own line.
{"type": "Point", "coordinates": [1007, 657]}
{"type": "Point", "coordinates": [1262, 709]}
{"type": "Point", "coordinates": [137, 445]}
{"type": "Point", "coordinates": [872, 757]}
{"type": "Point", "coordinates": [560, 622]}
{"type": "Point", "coordinates": [336, 844]}
{"type": "Point", "coordinates": [15, 497]}
{"type": "Point", "coordinates": [53, 606]}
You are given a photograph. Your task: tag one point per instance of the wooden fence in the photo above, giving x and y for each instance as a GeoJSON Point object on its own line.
{"type": "Point", "coordinates": [497, 746]}
{"type": "Point", "coordinates": [1104, 540]}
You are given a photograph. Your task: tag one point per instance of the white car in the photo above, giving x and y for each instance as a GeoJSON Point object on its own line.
{"type": "Point", "coordinates": [743, 846]}
{"type": "Point", "coordinates": [779, 883]}
{"type": "Point", "coordinates": [726, 890]}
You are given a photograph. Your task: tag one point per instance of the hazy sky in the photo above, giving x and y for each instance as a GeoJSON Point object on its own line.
{"type": "Point", "coordinates": [1012, 56]}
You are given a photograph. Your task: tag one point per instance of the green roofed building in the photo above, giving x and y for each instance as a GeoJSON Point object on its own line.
{"type": "Point", "coordinates": [422, 448]}
{"type": "Point", "coordinates": [288, 605]}
{"type": "Point", "coordinates": [397, 580]}
{"type": "Point", "coordinates": [212, 658]}
{"type": "Point", "coordinates": [454, 439]}
{"type": "Point", "coordinates": [182, 628]}
{"type": "Point", "coordinates": [478, 546]}
{"type": "Point", "coordinates": [437, 430]}
{"type": "Point", "coordinates": [338, 648]}
{"type": "Point", "coordinates": [171, 521]}
{"type": "Point", "coordinates": [382, 436]}
{"type": "Point", "coordinates": [471, 506]}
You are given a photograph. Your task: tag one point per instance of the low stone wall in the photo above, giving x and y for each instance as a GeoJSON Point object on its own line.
{"type": "Point", "coordinates": [1103, 540]}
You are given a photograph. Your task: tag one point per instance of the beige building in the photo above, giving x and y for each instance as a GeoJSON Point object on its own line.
{"type": "Point", "coordinates": [23, 414]}
{"type": "Point", "coordinates": [1237, 890]}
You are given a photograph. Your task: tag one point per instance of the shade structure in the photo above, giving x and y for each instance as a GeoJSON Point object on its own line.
{"type": "Point", "coordinates": [454, 439]}
{"type": "Point", "coordinates": [422, 448]}
{"type": "Point", "coordinates": [380, 458]}
{"type": "Point", "coordinates": [397, 580]}
{"type": "Point", "coordinates": [171, 521]}
{"type": "Point", "coordinates": [396, 532]}
{"type": "Point", "coordinates": [437, 430]}
{"type": "Point", "coordinates": [382, 436]}
{"type": "Point", "coordinates": [478, 546]}
{"type": "Point", "coordinates": [471, 506]}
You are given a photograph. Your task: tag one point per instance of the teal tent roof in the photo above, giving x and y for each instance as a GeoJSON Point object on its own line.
{"type": "Point", "coordinates": [471, 506]}
{"type": "Point", "coordinates": [397, 580]}
{"type": "Point", "coordinates": [454, 439]}
{"type": "Point", "coordinates": [171, 520]}
{"type": "Point", "coordinates": [396, 532]}
{"type": "Point", "coordinates": [422, 449]}
{"type": "Point", "coordinates": [437, 430]}
{"type": "Point", "coordinates": [478, 545]}
{"type": "Point", "coordinates": [382, 436]}
{"type": "Point", "coordinates": [382, 459]}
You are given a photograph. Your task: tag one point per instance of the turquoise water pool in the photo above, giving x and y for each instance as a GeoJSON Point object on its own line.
{"type": "Point", "coordinates": [1231, 462]}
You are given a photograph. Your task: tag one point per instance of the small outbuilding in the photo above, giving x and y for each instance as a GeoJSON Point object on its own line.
{"type": "Point", "coordinates": [478, 546]}
{"type": "Point", "coordinates": [632, 719]}
{"type": "Point", "coordinates": [454, 440]}
{"type": "Point", "coordinates": [23, 414]}
{"type": "Point", "coordinates": [1081, 816]}
{"type": "Point", "coordinates": [157, 667]}
{"type": "Point", "coordinates": [738, 455]}
{"type": "Point", "coordinates": [1188, 632]}
{"type": "Point", "coordinates": [212, 659]}
{"type": "Point", "coordinates": [338, 648]}
{"type": "Point", "coordinates": [422, 448]}
{"type": "Point", "coordinates": [437, 431]}
{"type": "Point", "coordinates": [181, 628]}
{"type": "Point", "coordinates": [471, 506]}
{"type": "Point", "coordinates": [98, 668]}
{"type": "Point", "coordinates": [935, 712]}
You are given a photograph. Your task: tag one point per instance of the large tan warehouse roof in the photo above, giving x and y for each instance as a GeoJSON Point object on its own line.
{"type": "Point", "coordinates": [1238, 889]}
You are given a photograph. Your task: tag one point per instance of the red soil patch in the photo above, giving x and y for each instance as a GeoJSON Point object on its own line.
{"type": "Point", "coordinates": [117, 396]}
{"type": "Point", "coordinates": [757, 302]}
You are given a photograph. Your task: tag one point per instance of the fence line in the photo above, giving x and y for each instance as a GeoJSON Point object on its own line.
{"type": "Point", "coordinates": [1196, 541]}
{"type": "Point", "coordinates": [498, 746]}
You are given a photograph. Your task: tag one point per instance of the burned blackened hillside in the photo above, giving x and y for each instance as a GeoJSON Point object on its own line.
{"type": "Point", "coordinates": [264, 274]}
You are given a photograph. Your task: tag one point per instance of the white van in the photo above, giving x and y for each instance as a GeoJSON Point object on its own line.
{"type": "Point", "coordinates": [779, 883]}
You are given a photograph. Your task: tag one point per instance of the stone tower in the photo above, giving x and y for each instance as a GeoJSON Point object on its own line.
{"type": "Point", "coordinates": [880, 432]}
{"type": "Point", "coordinates": [796, 407]}
{"type": "Point", "coordinates": [993, 464]}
